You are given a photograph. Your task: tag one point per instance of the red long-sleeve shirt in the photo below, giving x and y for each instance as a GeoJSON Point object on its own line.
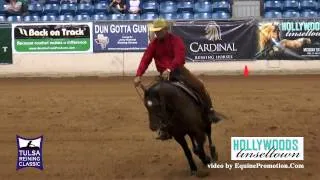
{"type": "Point", "coordinates": [168, 53]}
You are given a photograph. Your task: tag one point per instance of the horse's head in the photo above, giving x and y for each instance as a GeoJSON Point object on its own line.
{"type": "Point", "coordinates": [306, 40]}
{"type": "Point", "coordinates": [268, 33]}
{"type": "Point", "coordinates": [153, 105]}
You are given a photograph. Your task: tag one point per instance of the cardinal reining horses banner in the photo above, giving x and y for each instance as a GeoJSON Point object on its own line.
{"type": "Point", "coordinates": [218, 40]}
{"type": "Point", "coordinates": [288, 39]}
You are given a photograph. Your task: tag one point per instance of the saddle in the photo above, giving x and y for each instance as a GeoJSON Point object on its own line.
{"type": "Point", "coordinates": [194, 95]}
{"type": "Point", "coordinates": [185, 88]}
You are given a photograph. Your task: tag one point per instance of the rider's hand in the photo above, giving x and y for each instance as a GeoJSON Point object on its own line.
{"type": "Point", "coordinates": [137, 81]}
{"type": "Point", "coordinates": [166, 74]}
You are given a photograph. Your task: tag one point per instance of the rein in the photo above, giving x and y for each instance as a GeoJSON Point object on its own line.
{"type": "Point", "coordinates": [141, 98]}
{"type": "Point", "coordinates": [143, 87]}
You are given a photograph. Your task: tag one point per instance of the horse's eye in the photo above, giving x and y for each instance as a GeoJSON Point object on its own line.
{"type": "Point", "coordinates": [149, 103]}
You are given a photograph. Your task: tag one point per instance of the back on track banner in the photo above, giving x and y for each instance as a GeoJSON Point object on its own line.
{"type": "Point", "coordinates": [52, 38]}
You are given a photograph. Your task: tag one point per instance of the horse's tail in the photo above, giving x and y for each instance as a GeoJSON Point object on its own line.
{"type": "Point", "coordinates": [220, 116]}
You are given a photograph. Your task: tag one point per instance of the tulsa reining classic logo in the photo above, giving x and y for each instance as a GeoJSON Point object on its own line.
{"type": "Point", "coordinates": [29, 152]}
{"type": "Point", "coordinates": [267, 148]}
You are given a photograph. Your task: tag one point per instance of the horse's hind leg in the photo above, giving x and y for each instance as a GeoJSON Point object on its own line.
{"type": "Point", "coordinates": [213, 152]}
{"type": "Point", "coordinates": [182, 141]}
{"type": "Point", "coordinates": [194, 146]}
{"type": "Point", "coordinates": [200, 138]}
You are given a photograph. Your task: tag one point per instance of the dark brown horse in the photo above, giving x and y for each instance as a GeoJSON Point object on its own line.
{"type": "Point", "coordinates": [168, 102]}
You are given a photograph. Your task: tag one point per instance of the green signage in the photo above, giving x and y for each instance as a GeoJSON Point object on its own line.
{"type": "Point", "coordinates": [43, 45]}
{"type": "Point", "coordinates": [53, 37]}
{"type": "Point", "coordinates": [5, 44]}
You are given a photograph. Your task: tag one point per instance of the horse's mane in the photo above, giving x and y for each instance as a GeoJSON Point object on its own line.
{"type": "Point", "coordinates": [265, 34]}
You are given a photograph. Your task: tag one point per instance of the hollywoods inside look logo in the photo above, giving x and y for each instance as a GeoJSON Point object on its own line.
{"type": "Point", "coordinates": [29, 152]}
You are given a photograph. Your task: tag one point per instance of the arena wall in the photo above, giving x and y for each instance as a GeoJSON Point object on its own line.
{"type": "Point", "coordinates": [125, 64]}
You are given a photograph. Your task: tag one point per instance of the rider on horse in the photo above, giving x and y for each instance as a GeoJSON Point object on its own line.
{"type": "Point", "coordinates": [168, 50]}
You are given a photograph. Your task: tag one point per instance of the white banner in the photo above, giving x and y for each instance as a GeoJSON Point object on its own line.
{"type": "Point", "coordinates": [267, 148]}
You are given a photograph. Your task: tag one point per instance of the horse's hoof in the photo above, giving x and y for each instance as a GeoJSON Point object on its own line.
{"type": "Point", "coordinates": [215, 158]}
{"type": "Point", "coordinates": [202, 174]}
{"type": "Point", "coordinates": [193, 173]}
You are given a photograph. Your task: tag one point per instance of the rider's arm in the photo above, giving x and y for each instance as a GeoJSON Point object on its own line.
{"type": "Point", "coordinates": [146, 58]}
{"type": "Point", "coordinates": [179, 54]}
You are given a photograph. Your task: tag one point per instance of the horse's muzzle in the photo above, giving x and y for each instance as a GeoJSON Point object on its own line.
{"type": "Point", "coordinates": [154, 121]}
{"type": "Point", "coordinates": [153, 127]}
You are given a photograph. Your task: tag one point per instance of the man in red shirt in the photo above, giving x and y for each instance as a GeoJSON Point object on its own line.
{"type": "Point", "coordinates": [168, 51]}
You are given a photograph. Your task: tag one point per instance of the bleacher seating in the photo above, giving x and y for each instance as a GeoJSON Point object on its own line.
{"type": "Point", "coordinates": [291, 8]}
{"type": "Point", "coordinates": [31, 18]}
{"type": "Point", "coordinates": [65, 17]}
{"type": "Point", "coordinates": [80, 10]}
{"type": "Point", "coordinates": [169, 16]}
{"type": "Point", "coordinates": [3, 18]}
{"type": "Point", "coordinates": [185, 6]}
{"type": "Point", "coordinates": [149, 16]}
{"type": "Point", "coordinates": [132, 16]}
{"type": "Point", "coordinates": [15, 19]}
{"type": "Point", "coordinates": [48, 17]}
{"type": "Point", "coordinates": [85, 10]}
{"type": "Point", "coordinates": [185, 15]}
{"type": "Point", "coordinates": [51, 9]}
{"type": "Point", "coordinates": [308, 13]}
{"type": "Point", "coordinates": [82, 17]}
{"type": "Point", "coordinates": [35, 9]}
{"type": "Point", "coordinates": [99, 17]}
{"type": "Point", "coordinates": [168, 7]}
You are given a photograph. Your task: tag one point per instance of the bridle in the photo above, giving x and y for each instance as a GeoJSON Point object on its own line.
{"type": "Point", "coordinates": [162, 101]}
{"type": "Point", "coordinates": [144, 89]}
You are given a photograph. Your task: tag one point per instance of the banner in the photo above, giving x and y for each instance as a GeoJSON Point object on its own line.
{"type": "Point", "coordinates": [123, 36]}
{"type": "Point", "coordinates": [218, 40]}
{"type": "Point", "coordinates": [52, 38]}
{"type": "Point", "coordinates": [288, 39]}
{"type": "Point", "coordinates": [5, 44]}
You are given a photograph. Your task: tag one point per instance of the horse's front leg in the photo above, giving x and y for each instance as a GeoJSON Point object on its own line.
{"type": "Point", "coordinates": [182, 141]}
{"type": "Point", "coordinates": [213, 152]}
